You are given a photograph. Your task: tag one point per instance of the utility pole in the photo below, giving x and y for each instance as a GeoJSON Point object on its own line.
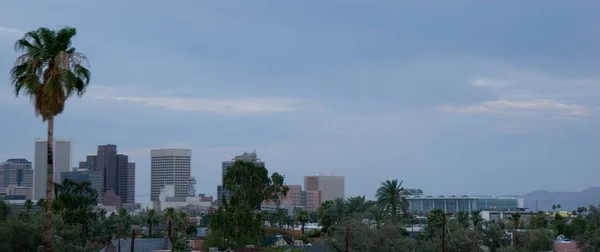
{"type": "Point", "coordinates": [347, 238]}
{"type": "Point", "coordinates": [444, 233]}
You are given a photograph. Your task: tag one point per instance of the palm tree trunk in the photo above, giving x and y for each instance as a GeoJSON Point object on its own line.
{"type": "Point", "coordinates": [150, 230]}
{"type": "Point", "coordinates": [184, 232]}
{"type": "Point", "coordinates": [132, 240]}
{"type": "Point", "coordinates": [171, 236]}
{"type": "Point", "coordinates": [119, 235]}
{"type": "Point", "coordinates": [49, 187]}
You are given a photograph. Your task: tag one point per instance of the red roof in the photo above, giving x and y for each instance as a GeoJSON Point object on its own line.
{"type": "Point", "coordinates": [566, 247]}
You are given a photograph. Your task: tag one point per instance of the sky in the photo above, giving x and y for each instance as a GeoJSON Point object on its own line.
{"type": "Point", "coordinates": [448, 96]}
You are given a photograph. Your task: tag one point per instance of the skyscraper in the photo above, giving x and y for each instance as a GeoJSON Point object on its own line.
{"type": "Point", "coordinates": [118, 174]}
{"type": "Point", "coordinates": [170, 167]}
{"type": "Point", "coordinates": [62, 163]}
{"type": "Point", "coordinates": [246, 156]}
{"type": "Point", "coordinates": [322, 188]}
{"type": "Point", "coordinates": [17, 172]}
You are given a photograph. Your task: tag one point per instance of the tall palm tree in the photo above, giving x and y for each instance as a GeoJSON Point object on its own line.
{"type": "Point", "coordinates": [151, 219]}
{"type": "Point", "coordinates": [49, 71]}
{"type": "Point", "coordinates": [183, 220]}
{"type": "Point", "coordinates": [121, 217]}
{"type": "Point", "coordinates": [302, 217]}
{"type": "Point", "coordinates": [28, 204]}
{"type": "Point", "coordinates": [476, 219]}
{"type": "Point", "coordinates": [170, 216]}
{"type": "Point", "coordinates": [392, 197]}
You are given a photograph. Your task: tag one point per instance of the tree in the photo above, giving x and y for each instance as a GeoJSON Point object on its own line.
{"type": "Point", "coordinates": [463, 219]}
{"type": "Point", "coordinates": [358, 205]}
{"type": "Point", "coordinates": [41, 203]}
{"type": "Point", "coordinates": [515, 219]}
{"type": "Point", "coordinates": [249, 185]}
{"type": "Point", "coordinates": [75, 202]}
{"type": "Point", "coordinates": [49, 71]}
{"type": "Point", "coordinates": [476, 219]}
{"type": "Point", "coordinates": [389, 238]}
{"type": "Point", "coordinates": [302, 217]}
{"type": "Point", "coordinates": [122, 217]}
{"type": "Point", "coordinates": [391, 195]}
{"type": "Point", "coordinates": [4, 210]}
{"type": "Point", "coordinates": [539, 221]}
{"type": "Point", "coordinates": [28, 204]}
{"type": "Point", "coordinates": [183, 220]}
{"type": "Point", "coordinates": [170, 216]}
{"type": "Point", "coordinates": [553, 208]}
{"type": "Point", "coordinates": [151, 219]}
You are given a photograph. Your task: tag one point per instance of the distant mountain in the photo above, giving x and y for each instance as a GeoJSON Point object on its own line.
{"type": "Point", "coordinates": [568, 201]}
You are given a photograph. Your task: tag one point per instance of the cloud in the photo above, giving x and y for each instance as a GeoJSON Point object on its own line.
{"type": "Point", "coordinates": [10, 32]}
{"type": "Point", "coordinates": [172, 101]}
{"type": "Point", "coordinates": [548, 108]}
{"type": "Point", "coordinates": [145, 152]}
{"type": "Point", "coordinates": [531, 94]}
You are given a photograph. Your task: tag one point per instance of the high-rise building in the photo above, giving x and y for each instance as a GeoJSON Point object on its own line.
{"type": "Point", "coordinates": [79, 175]}
{"type": "Point", "coordinates": [246, 156]}
{"type": "Point", "coordinates": [62, 163]}
{"type": "Point", "coordinates": [170, 167]}
{"type": "Point", "coordinates": [17, 172]}
{"type": "Point", "coordinates": [127, 185]}
{"type": "Point", "coordinates": [118, 174]}
{"type": "Point", "coordinates": [328, 188]}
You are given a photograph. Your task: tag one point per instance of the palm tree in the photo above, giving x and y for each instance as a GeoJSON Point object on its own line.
{"type": "Point", "coordinates": [49, 71]}
{"type": "Point", "coordinates": [121, 217]}
{"type": "Point", "coordinates": [302, 217]}
{"type": "Point", "coordinates": [476, 219]}
{"type": "Point", "coordinates": [151, 219]}
{"type": "Point", "coordinates": [553, 208]}
{"type": "Point", "coordinates": [41, 203]}
{"type": "Point", "coordinates": [463, 219]}
{"type": "Point", "coordinates": [515, 219]}
{"type": "Point", "coordinates": [392, 196]}
{"type": "Point", "coordinates": [183, 219]}
{"type": "Point", "coordinates": [170, 216]}
{"type": "Point", "coordinates": [28, 205]}
{"type": "Point", "coordinates": [358, 205]}
{"type": "Point", "coordinates": [376, 215]}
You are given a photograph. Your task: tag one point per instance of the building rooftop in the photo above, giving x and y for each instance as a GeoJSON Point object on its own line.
{"type": "Point", "coordinates": [455, 196]}
{"type": "Point", "coordinates": [18, 161]}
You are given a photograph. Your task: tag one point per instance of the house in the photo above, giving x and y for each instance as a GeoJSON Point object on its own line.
{"type": "Point", "coordinates": [569, 246]}
{"type": "Point", "coordinates": [278, 241]}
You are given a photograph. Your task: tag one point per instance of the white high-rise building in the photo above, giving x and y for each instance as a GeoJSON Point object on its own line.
{"type": "Point", "coordinates": [170, 167]}
{"type": "Point", "coordinates": [62, 163]}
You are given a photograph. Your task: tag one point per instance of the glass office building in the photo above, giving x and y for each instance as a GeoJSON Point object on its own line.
{"type": "Point", "coordinates": [421, 204]}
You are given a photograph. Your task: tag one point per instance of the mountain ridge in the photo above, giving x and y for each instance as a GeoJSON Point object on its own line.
{"type": "Point", "coordinates": [568, 201]}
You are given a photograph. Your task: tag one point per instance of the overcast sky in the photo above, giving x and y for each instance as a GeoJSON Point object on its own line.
{"type": "Point", "coordinates": [462, 97]}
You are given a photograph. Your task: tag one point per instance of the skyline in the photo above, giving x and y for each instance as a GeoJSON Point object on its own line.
{"type": "Point", "coordinates": [455, 98]}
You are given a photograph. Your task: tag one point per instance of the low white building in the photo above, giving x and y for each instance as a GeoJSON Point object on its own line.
{"type": "Point", "coordinates": [167, 199]}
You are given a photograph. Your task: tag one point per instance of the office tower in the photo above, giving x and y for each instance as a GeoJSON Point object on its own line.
{"type": "Point", "coordinates": [17, 172]}
{"type": "Point", "coordinates": [328, 188]}
{"type": "Point", "coordinates": [62, 163]}
{"type": "Point", "coordinates": [115, 171]}
{"type": "Point", "coordinates": [170, 167]}
{"type": "Point", "coordinates": [127, 184]}
{"type": "Point", "coordinates": [246, 156]}
{"type": "Point", "coordinates": [80, 175]}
